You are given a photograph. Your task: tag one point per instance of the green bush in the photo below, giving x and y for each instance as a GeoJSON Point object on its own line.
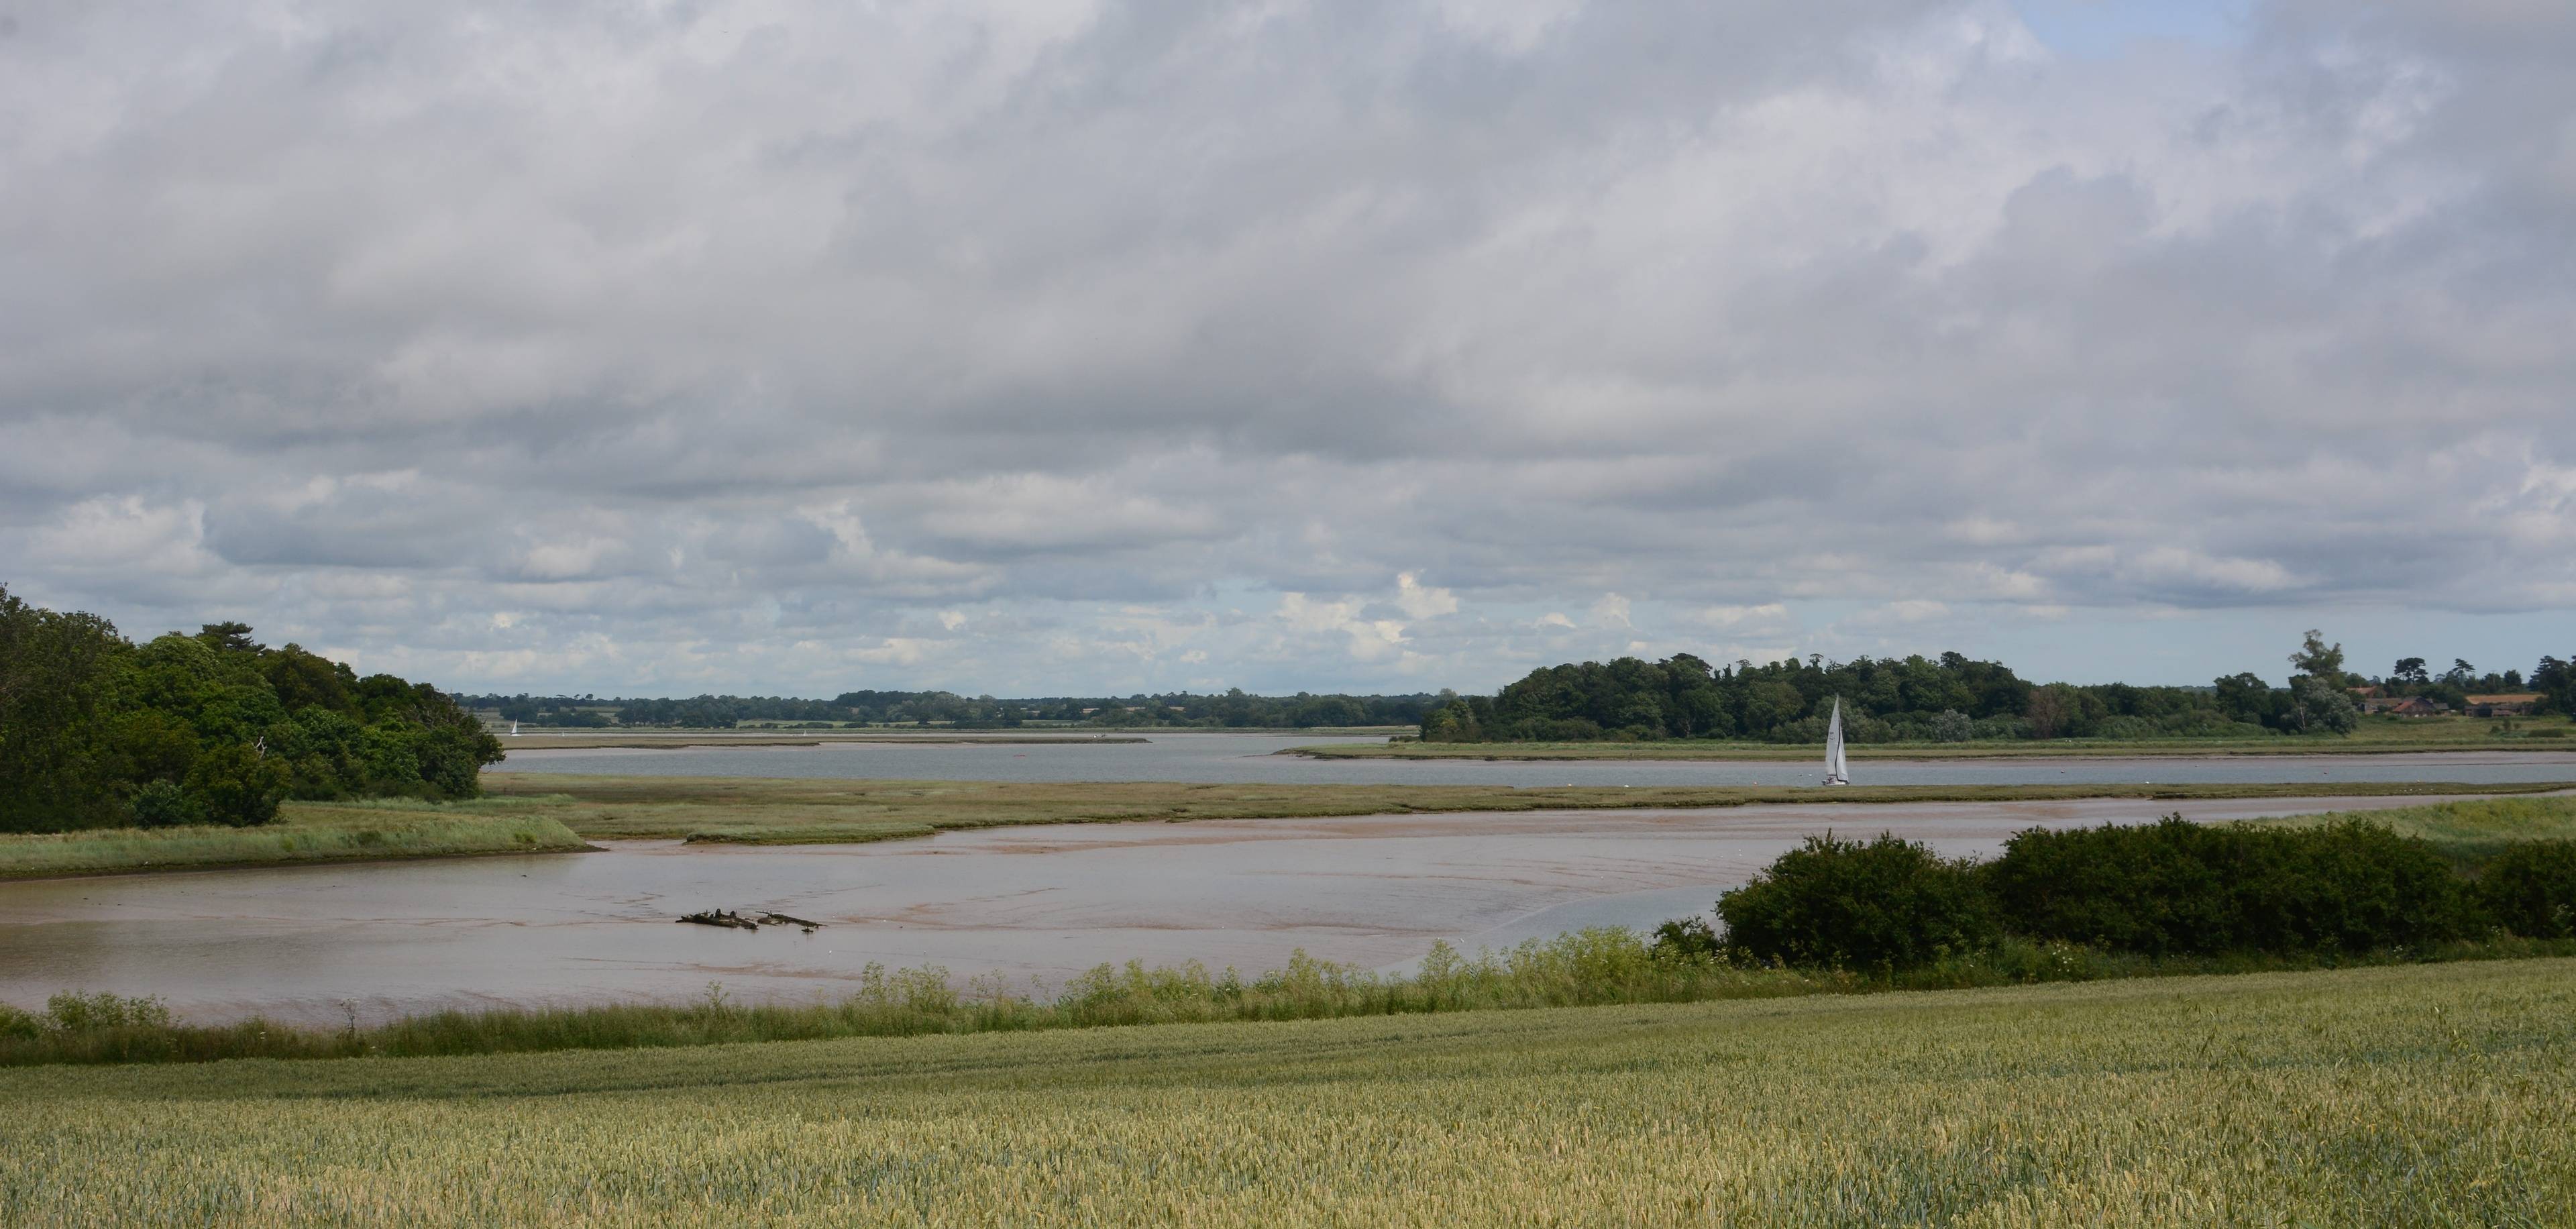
{"type": "Point", "coordinates": [1884, 903]}
{"type": "Point", "coordinates": [162, 804]}
{"type": "Point", "coordinates": [2530, 889]}
{"type": "Point", "coordinates": [2177, 887]}
{"type": "Point", "coordinates": [232, 785]}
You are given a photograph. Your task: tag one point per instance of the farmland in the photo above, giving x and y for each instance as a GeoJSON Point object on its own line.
{"type": "Point", "coordinates": [2430, 1093]}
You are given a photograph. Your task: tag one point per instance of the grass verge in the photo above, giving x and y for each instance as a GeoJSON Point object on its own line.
{"type": "Point", "coordinates": [2399, 1095]}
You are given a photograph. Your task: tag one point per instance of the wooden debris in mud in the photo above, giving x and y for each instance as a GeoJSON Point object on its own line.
{"type": "Point", "coordinates": [729, 918]}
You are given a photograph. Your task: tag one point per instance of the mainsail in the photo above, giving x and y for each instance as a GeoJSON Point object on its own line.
{"type": "Point", "coordinates": [1837, 768]}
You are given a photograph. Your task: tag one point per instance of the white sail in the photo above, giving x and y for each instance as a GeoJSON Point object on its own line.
{"type": "Point", "coordinates": [1837, 768]}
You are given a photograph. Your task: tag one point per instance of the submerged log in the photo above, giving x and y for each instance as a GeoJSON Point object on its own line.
{"type": "Point", "coordinates": [722, 917]}
{"type": "Point", "coordinates": [781, 919]}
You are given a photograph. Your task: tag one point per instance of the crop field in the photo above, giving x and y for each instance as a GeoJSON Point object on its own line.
{"type": "Point", "coordinates": [2374, 736]}
{"type": "Point", "coordinates": [2429, 1094]}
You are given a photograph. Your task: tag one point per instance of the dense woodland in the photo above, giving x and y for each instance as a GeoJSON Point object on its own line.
{"type": "Point", "coordinates": [1949, 699]}
{"type": "Point", "coordinates": [1229, 710]}
{"type": "Point", "coordinates": [97, 731]}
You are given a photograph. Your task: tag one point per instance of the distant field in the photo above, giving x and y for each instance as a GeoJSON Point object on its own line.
{"type": "Point", "coordinates": [2436, 1094]}
{"type": "Point", "coordinates": [549, 812]}
{"type": "Point", "coordinates": [2376, 736]}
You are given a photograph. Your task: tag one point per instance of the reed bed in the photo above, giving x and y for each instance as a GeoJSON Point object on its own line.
{"type": "Point", "coordinates": [2412, 1095]}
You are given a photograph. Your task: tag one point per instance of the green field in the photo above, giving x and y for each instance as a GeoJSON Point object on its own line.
{"type": "Point", "coordinates": [545, 812]}
{"type": "Point", "coordinates": [2375, 736]}
{"type": "Point", "coordinates": [2431, 1094]}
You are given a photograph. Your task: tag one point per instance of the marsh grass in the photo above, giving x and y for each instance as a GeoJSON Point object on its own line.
{"type": "Point", "coordinates": [2468, 832]}
{"type": "Point", "coordinates": [2401, 1095]}
{"type": "Point", "coordinates": [819, 811]}
{"type": "Point", "coordinates": [547, 813]}
{"type": "Point", "coordinates": [305, 832]}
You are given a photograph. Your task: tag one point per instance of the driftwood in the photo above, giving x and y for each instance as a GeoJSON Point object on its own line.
{"type": "Point", "coordinates": [729, 918]}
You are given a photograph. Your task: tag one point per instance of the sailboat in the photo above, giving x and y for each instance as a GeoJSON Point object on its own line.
{"type": "Point", "coordinates": [1837, 769]}
{"type": "Point", "coordinates": [514, 729]}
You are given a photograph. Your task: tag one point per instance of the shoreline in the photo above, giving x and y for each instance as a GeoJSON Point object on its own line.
{"type": "Point", "coordinates": [1917, 753]}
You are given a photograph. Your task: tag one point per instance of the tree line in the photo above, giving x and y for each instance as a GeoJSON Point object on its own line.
{"type": "Point", "coordinates": [1951, 698]}
{"type": "Point", "coordinates": [99, 732]}
{"type": "Point", "coordinates": [1235, 709]}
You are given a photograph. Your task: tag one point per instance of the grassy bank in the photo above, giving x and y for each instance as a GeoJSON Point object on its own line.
{"type": "Point", "coordinates": [1601, 967]}
{"type": "Point", "coordinates": [2403, 1095]}
{"type": "Point", "coordinates": [2468, 833]}
{"type": "Point", "coordinates": [546, 812]}
{"type": "Point", "coordinates": [2375, 736]}
{"type": "Point", "coordinates": [810, 811]}
{"type": "Point", "coordinates": [304, 832]}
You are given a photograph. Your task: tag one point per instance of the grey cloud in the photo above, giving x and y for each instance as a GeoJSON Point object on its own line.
{"type": "Point", "coordinates": [724, 342]}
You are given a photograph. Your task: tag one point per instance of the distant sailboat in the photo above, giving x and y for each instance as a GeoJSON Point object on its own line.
{"type": "Point", "coordinates": [514, 729]}
{"type": "Point", "coordinates": [1837, 769]}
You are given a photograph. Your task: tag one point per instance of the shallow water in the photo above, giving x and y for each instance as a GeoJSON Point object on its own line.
{"type": "Point", "coordinates": [1249, 759]}
{"type": "Point", "coordinates": [1036, 903]}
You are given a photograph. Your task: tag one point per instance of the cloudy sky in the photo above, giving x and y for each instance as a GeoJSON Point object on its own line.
{"type": "Point", "coordinates": [1037, 346]}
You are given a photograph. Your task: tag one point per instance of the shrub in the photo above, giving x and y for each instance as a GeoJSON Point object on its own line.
{"type": "Point", "coordinates": [162, 804]}
{"type": "Point", "coordinates": [2530, 889]}
{"type": "Point", "coordinates": [2178, 887]}
{"type": "Point", "coordinates": [1883, 903]}
{"type": "Point", "coordinates": [232, 785]}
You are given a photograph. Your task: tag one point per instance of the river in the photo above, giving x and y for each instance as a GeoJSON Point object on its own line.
{"type": "Point", "coordinates": [1035, 904]}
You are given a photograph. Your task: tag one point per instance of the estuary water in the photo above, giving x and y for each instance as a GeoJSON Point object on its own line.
{"type": "Point", "coordinates": [1214, 758]}
{"type": "Point", "coordinates": [1035, 905]}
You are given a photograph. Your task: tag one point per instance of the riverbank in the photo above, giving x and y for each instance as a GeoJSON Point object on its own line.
{"type": "Point", "coordinates": [305, 832]}
{"type": "Point", "coordinates": [2422, 1093]}
{"type": "Point", "coordinates": [548, 812]}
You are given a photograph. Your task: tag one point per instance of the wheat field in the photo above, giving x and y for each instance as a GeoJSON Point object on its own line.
{"type": "Point", "coordinates": [2430, 1094]}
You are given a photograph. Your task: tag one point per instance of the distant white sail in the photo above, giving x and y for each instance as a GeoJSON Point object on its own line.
{"type": "Point", "coordinates": [1837, 768]}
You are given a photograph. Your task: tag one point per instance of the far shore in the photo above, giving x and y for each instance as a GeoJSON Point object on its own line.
{"type": "Point", "coordinates": [1720, 752]}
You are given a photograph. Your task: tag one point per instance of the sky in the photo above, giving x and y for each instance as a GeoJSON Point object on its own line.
{"type": "Point", "coordinates": [1064, 346]}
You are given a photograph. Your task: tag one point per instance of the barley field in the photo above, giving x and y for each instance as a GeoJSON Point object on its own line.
{"type": "Point", "coordinates": [2429, 1094]}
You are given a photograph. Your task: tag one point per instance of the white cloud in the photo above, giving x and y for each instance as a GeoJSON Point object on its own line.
{"type": "Point", "coordinates": [1420, 601]}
